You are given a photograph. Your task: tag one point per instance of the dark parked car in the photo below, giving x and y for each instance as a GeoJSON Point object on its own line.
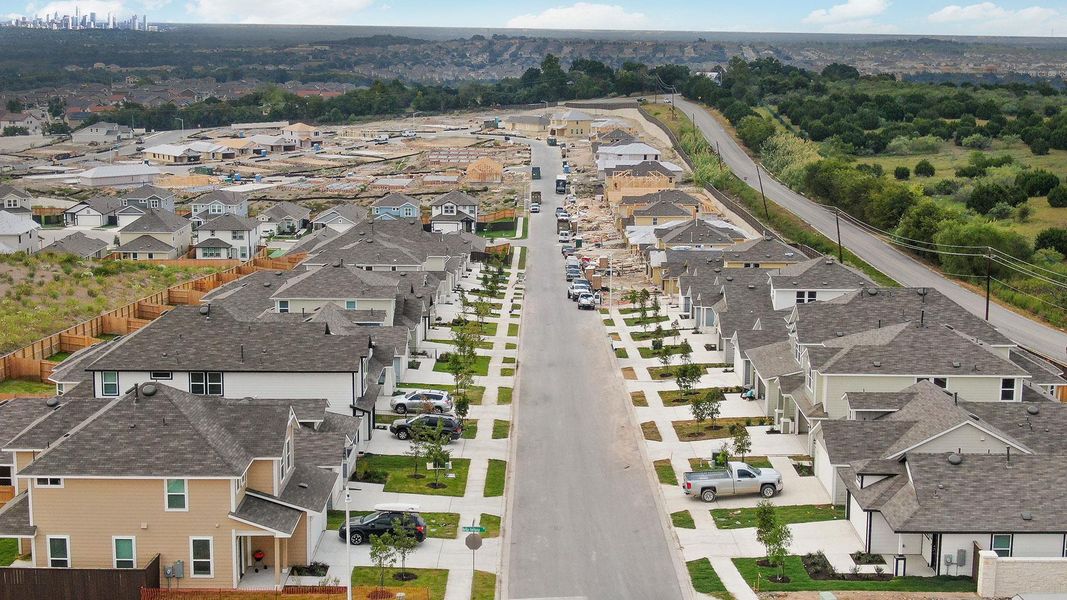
{"type": "Point", "coordinates": [451, 426]}
{"type": "Point", "coordinates": [379, 522]}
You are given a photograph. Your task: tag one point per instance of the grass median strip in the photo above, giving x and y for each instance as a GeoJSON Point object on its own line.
{"type": "Point", "coordinates": [638, 399]}
{"type": "Point", "coordinates": [9, 551]}
{"type": "Point", "coordinates": [690, 430]}
{"type": "Point", "coordinates": [441, 525]}
{"type": "Point", "coordinates": [399, 474]}
{"type": "Point", "coordinates": [484, 345]}
{"type": "Point", "coordinates": [513, 330]}
{"type": "Point", "coordinates": [491, 524]}
{"type": "Point", "coordinates": [651, 431]}
{"type": "Point", "coordinates": [760, 462]}
{"type": "Point", "coordinates": [495, 478]}
{"type": "Point", "coordinates": [649, 320]}
{"type": "Point", "coordinates": [641, 336]}
{"type": "Point", "coordinates": [470, 429]}
{"type": "Point", "coordinates": [739, 518]}
{"type": "Point", "coordinates": [621, 353]}
{"type": "Point", "coordinates": [667, 372]}
{"type": "Point", "coordinates": [800, 580]}
{"type": "Point", "coordinates": [683, 520]}
{"type": "Point", "coordinates": [503, 395]}
{"type": "Point", "coordinates": [484, 586]}
{"type": "Point", "coordinates": [665, 472]}
{"type": "Point", "coordinates": [706, 580]}
{"type": "Point", "coordinates": [501, 429]}
{"type": "Point", "coordinates": [479, 367]}
{"type": "Point", "coordinates": [434, 580]}
{"type": "Point", "coordinates": [648, 352]}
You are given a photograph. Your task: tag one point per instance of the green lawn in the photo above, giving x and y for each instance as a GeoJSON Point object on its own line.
{"type": "Point", "coordinates": [510, 346]}
{"type": "Point", "coordinates": [59, 356]}
{"type": "Point", "coordinates": [689, 430]}
{"type": "Point", "coordinates": [499, 233]}
{"type": "Point", "coordinates": [800, 581]}
{"type": "Point", "coordinates": [668, 372]}
{"type": "Point", "coordinates": [503, 395]}
{"type": "Point", "coordinates": [487, 329]}
{"type": "Point", "coordinates": [484, 345]}
{"type": "Point", "coordinates": [474, 392]}
{"type": "Point", "coordinates": [649, 320]}
{"type": "Point", "coordinates": [9, 551]}
{"type": "Point", "coordinates": [509, 360]}
{"type": "Point", "coordinates": [640, 336]}
{"type": "Point", "coordinates": [638, 399]}
{"type": "Point", "coordinates": [665, 472]}
{"type": "Point", "coordinates": [396, 472]}
{"type": "Point", "coordinates": [760, 462]}
{"type": "Point", "coordinates": [501, 429]}
{"type": "Point", "coordinates": [648, 352]}
{"type": "Point", "coordinates": [434, 580]}
{"type": "Point", "coordinates": [513, 330]}
{"type": "Point", "coordinates": [470, 429]}
{"type": "Point", "coordinates": [705, 579]}
{"type": "Point", "coordinates": [683, 520]}
{"type": "Point", "coordinates": [739, 518]}
{"type": "Point", "coordinates": [506, 372]}
{"type": "Point", "coordinates": [491, 524]}
{"type": "Point", "coordinates": [23, 386]}
{"type": "Point", "coordinates": [441, 525]}
{"type": "Point", "coordinates": [484, 586]}
{"type": "Point", "coordinates": [651, 431]}
{"type": "Point", "coordinates": [494, 479]}
{"type": "Point", "coordinates": [621, 353]}
{"type": "Point", "coordinates": [480, 367]}
{"type": "Point", "coordinates": [609, 322]}
{"type": "Point", "coordinates": [522, 257]}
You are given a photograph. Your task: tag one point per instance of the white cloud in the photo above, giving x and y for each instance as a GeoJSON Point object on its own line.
{"type": "Point", "coordinates": [67, 7]}
{"type": "Point", "coordinates": [988, 18]}
{"type": "Point", "coordinates": [317, 12]}
{"type": "Point", "coordinates": [859, 26]}
{"type": "Point", "coordinates": [581, 15]}
{"type": "Point", "coordinates": [852, 10]}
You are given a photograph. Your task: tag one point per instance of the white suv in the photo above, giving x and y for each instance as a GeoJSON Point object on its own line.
{"type": "Point", "coordinates": [422, 401]}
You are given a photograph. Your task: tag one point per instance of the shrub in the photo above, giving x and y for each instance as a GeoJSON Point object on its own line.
{"type": "Point", "coordinates": [987, 195]}
{"type": "Point", "coordinates": [1037, 182]}
{"type": "Point", "coordinates": [1023, 212]}
{"type": "Point", "coordinates": [1057, 198]}
{"type": "Point", "coordinates": [924, 168]}
{"type": "Point", "coordinates": [901, 173]}
{"type": "Point", "coordinates": [1053, 237]}
{"type": "Point", "coordinates": [1000, 211]}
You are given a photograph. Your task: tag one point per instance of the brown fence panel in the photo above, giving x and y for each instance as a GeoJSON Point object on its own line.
{"type": "Point", "coordinates": [152, 311]}
{"type": "Point", "coordinates": [308, 592]}
{"type": "Point", "coordinates": [176, 297]}
{"type": "Point", "coordinates": [77, 584]}
{"type": "Point", "coordinates": [500, 215]}
{"type": "Point", "coordinates": [72, 342]}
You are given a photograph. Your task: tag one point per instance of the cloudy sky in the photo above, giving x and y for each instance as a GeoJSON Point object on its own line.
{"type": "Point", "coordinates": [1000, 17]}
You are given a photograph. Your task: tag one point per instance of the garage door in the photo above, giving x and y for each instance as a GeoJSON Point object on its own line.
{"type": "Point", "coordinates": [125, 220]}
{"type": "Point", "coordinates": [316, 522]}
{"type": "Point", "coordinates": [88, 220]}
{"type": "Point", "coordinates": [825, 472]}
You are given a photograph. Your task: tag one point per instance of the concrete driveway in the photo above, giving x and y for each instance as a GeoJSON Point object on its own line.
{"type": "Point", "coordinates": [583, 517]}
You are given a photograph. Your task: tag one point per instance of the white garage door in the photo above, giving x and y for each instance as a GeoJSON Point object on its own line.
{"type": "Point", "coordinates": [826, 474]}
{"type": "Point", "coordinates": [88, 220]}
{"type": "Point", "coordinates": [125, 220]}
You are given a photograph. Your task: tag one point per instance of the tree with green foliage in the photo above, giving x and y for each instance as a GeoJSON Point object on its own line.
{"type": "Point", "coordinates": [979, 233]}
{"type": "Point", "coordinates": [901, 173]}
{"type": "Point", "coordinates": [56, 106]}
{"type": "Point", "coordinates": [924, 168]}
{"type": "Point", "coordinates": [1053, 237]}
{"type": "Point", "coordinates": [1057, 197]}
{"type": "Point", "coordinates": [742, 441]}
{"type": "Point", "coordinates": [707, 407]}
{"type": "Point", "coordinates": [774, 535]}
{"type": "Point", "coordinates": [754, 130]}
{"type": "Point", "coordinates": [987, 195]}
{"type": "Point", "coordinates": [404, 543]}
{"type": "Point", "coordinates": [15, 105]}
{"type": "Point", "coordinates": [436, 452]}
{"type": "Point", "coordinates": [686, 375]}
{"type": "Point", "coordinates": [1000, 211]}
{"type": "Point", "coordinates": [417, 446]}
{"type": "Point", "coordinates": [382, 555]}
{"type": "Point", "coordinates": [1036, 182]}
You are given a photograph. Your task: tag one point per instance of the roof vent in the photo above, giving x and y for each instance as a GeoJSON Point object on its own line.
{"type": "Point", "coordinates": [955, 364]}
{"type": "Point", "coordinates": [278, 274]}
{"type": "Point", "coordinates": [840, 334]}
{"type": "Point", "coordinates": [921, 291]}
{"type": "Point", "coordinates": [789, 255]}
{"type": "Point", "coordinates": [148, 389]}
{"type": "Point", "coordinates": [825, 283]}
{"type": "Point", "coordinates": [302, 485]}
{"type": "Point", "coordinates": [266, 284]}
{"type": "Point", "coordinates": [52, 402]}
{"type": "Point", "coordinates": [829, 261]}
{"type": "Point", "coordinates": [877, 363]}
{"type": "Point", "coordinates": [205, 309]}
{"type": "Point", "coordinates": [718, 270]}
{"type": "Point", "coordinates": [954, 459]}
{"type": "Point", "coordinates": [872, 291]}
{"type": "Point", "coordinates": [973, 417]}
{"type": "Point", "coordinates": [1027, 515]}
{"type": "Point", "coordinates": [729, 278]}
{"type": "Point", "coordinates": [1033, 409]}
{"type": "Point", "coordinates": [751, 286]}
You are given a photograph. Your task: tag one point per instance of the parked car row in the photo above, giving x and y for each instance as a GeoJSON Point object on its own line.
{"type": "Point", "coordinates": [431, 409]}
{"type": "Point", "coordinates": [580, 289]}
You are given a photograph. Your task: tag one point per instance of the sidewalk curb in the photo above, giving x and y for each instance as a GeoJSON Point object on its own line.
{"type": "Point", "coordinates": [505, 522]}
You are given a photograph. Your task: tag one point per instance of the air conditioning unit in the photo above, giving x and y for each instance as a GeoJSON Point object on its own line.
{"type": "Point", "coordinates": [787, 425]}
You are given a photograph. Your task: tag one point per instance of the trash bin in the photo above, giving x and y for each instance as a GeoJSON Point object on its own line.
{"type": "Point", "coordinates": [577, 243]}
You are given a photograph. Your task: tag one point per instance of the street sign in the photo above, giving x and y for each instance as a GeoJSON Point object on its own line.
{"type": "Point", "coordinates": [474, 529]}
{"type": "Point", "coordinates": [473, 541]}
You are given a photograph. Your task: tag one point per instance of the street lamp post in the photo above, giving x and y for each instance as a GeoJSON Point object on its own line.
{"type": "Point", "coordinates": [348, 534]}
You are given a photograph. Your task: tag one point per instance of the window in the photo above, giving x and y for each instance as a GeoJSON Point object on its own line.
{"type": "Point", "coordinates": [1001, 544]}
{"type": "Point", "coordinates": [205, 383]}
{"type": "Point", "coordinates": [237, 235]}
{"type": "Point", "coordinates": [125, 553]}
{"type": "Point", "coordinates": [48, 482]}
{"type": "Point", "coordinates": [201, 551]}
{"type": "Point", "coordinates": [752, 265]}
{"type": "Point", "coordinates": [350, 304]}
{"type": "Point", "coordinates": [409, 212]}
{"type": "Point", "coordinates": [215, 209]}
{"type": "Point", "coordinates": [153, 203]}
{"type": "Point", "coordinates": [125, 202]}
{"type": "Point", "coordinates": [283, 306]}
{"type": "Point", "coordinates": [5, 474]}
{"type": "Point", "coordinates": [1007, 389]}
{"type": "Point", "coordinates": [287, 457]}
{"type": "Point", "coordinates": [809, 380]}
{"type": "Point", "coordinates": [804, 297]}
{"type": "Point", "coordinates": [11, 203]}
{"type": "Point", "coordinates": [160, 375]}
{"type": "Point", "coordinates": [940, 382]}
{"type": "Point", "coordinates": [177, 492]}
{"type": "Point", "coordinates": [59, 551]}
{"type": "Point", "coordinates": [449, 209]}
{"type": "Point", "coordinates": [211, 252]}
{"type": "Point", "coordinates": [109, 383]}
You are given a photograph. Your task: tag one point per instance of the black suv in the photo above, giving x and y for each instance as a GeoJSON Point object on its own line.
{"type": "Point", "coordinates": [451, 427]}
{"type": "Point", "coordinates": [380, 522]}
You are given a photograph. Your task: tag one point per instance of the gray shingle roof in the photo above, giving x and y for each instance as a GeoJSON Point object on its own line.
{"type": "Point", "coordinates": [773, 360]}
{"type": "Point", "coordinates": [229, 222]}
{"type": "Point", "coordinates": [338, 282]}
{"type": "Point", "coordinates": [662, 208]}
{"type": "Point", "coordinates": [674, 196]}
{"type": "Point", "coordinates": [351, 212]}
{"type": "Point", "coordinates": [696, 232]}
{"type": "Point", "coordinates": [310, 487]}
{"type": "Point", "coordinates": [459, 216]}
{"type": "Point", "coordinates": [322, 447]}
{"type": "Point", "coordinates": [10, 190]}
{"type": "Point", "coordinates": [157, 221]}
{"type": "Point", "coordinates": [222, 196]}
{"type": "Point", "coordinates": [15, 416]}
{"type": "Point", "coordinates": [185, 340]}
{"type": "Point", "coordinates": [850, 441]}
{"type": "Point", "coordinates": [821, 273]}
{"type": "Point", "coordinates": [397, 242]}
{"type": "Point", "coordinates": [15, 517]}
{"type": "Point", "coordinates": [268, 514]}
{"type": "Point", "coordinates": [145, 243]}
{"type": "Point", "coordinates": [641, 169]}
{"type": "Point", "coordinates": [212, 243]}
{"type": "Point", "coordinates": [763, 250]}
{"type": "Point", "coordinates": [457, 197]}
{"type": "Point", "coordinates": [104, 205]}
{"type": "Point", "coordinates": [77, 244]}
{"type": "Point", "coordinates": [283, 209]}
{"type": "Point", "coordinates": [148, 191]}
{"type": "Point", "coordinates": [394, 200]}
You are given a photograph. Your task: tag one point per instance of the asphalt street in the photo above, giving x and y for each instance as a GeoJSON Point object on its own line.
{"type": "Point", "coordinates": [584, 522]}
{"type": "Point", "coordinates": [1031, 334]}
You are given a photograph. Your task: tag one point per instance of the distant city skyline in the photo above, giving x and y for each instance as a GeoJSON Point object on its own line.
{"type": "Point", "coordinates": [937, 17]}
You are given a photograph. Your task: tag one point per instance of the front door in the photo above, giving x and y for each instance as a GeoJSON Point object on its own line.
{"type": "Point", "coordinates": [242, 554]}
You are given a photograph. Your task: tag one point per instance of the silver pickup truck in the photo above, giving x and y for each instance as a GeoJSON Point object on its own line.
{"type": "Point", "coordinates": [734, 479]}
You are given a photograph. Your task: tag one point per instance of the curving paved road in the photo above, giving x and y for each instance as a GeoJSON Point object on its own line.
{"type": "Point", "coordinates": [1031, 334]}
{"type": "Point", "coordinates": [583, 519]}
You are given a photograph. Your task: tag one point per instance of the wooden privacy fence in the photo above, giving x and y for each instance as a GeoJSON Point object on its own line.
{"type": "Point", "coordinates": [500, 215]}
{"type": "Point", "coordinates": [19, 583]}
{"type": "Point", "coordinates": [290, 592]}
{"type": "Point", "coordinates": [30, 361]}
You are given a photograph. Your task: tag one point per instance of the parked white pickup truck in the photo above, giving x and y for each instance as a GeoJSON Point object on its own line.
{"type": "Point", "coordinates": [734, 479]}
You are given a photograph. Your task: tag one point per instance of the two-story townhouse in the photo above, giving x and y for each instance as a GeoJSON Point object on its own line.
{"type": "Point", "coordinates": [570, 123]}
{"type": "Point", "coordinates": [454, 211]}
{"type": "Point", "coordinates": [664, 267]}
{"type": "Point", "coordinates": [396, 206]}
{"type": "Point", "coordinates": [340, 218]}
{"type": "Point", "coordinates": [529, 124]}
{"type": "Point", "coordinates": [18, 234]}
{"type": "Point", "coordinates": [156, 234]}
{"type": "Point", "coordinates": [305, 135]}
{"type": "Point", "coordinates": [346, 287]}
{"type": "Point", "coordinates": [610, 156]}
{"type": "Point", "coordinates": [633, 202]}
{"type": "Point", "coordinates": [761, 253]}
{"type": "Point", "coordinates": [16, 201]}
{"type": "Point", "coordinates": [182, 476]}
{"type": "Point", "coordinates": [149, 197]}
{"type": "Point", "coordinates": [696, 233]}
{"type": "Point", "coordinates": [216, 203]}
{"type": "Point", "coordinates": [818, 279]}
{"type": "Point", "coordinates": [283, 218]}
{"type": "Point", "coordinates": [663, 213]}
{"type": "Point", "coordinates": [227, 236]}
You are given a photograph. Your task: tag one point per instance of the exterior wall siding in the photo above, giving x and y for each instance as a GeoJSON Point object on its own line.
{"type": "Point", "coordinates": [968, 438]}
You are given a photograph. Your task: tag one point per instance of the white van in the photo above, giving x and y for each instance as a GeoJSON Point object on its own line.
{"type": "Point", "coordinates": [565, 235]}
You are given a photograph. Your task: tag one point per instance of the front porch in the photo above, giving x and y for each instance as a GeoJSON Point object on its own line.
{"type": "Point", "coordinates": [271, 571]}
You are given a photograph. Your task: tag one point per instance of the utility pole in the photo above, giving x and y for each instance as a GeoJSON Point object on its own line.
{"type": "Point", "coordinates": [719, 154]}
{"type": "Point", "coordinates": [766, 212]}
{"type": "Point", "coordinates": [988, 278]}
{"type": "Point", "coordinates": [348, 533]}
{"type": "Point", "coordinates": [837, 219]}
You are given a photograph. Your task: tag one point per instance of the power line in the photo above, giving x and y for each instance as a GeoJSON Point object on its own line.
{"type": "Point", "coordinates": [1035, 276]}
{"type": "Point", "coordinates": [1029, 294]}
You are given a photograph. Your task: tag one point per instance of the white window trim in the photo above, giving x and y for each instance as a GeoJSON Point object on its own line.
{"type": "Point", "coordinates": [37, 483]}
{"type": "Point", "coordinates": [103, 383]}
{"type": "Point", "coordinates": [48, 548]}
{"type": "Point", "coordinates": [1003, 389]}
{"type": "Point", "coordinates": [167, 494]}
{"type": "Point", "coordinates": [115, 553]}
{"type": "Point", "coordinates": [283, 306]}
{"type": "Point", "coordinates": [211, 561]}
{"type": "Point", "coordinates": [1011, 543]}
